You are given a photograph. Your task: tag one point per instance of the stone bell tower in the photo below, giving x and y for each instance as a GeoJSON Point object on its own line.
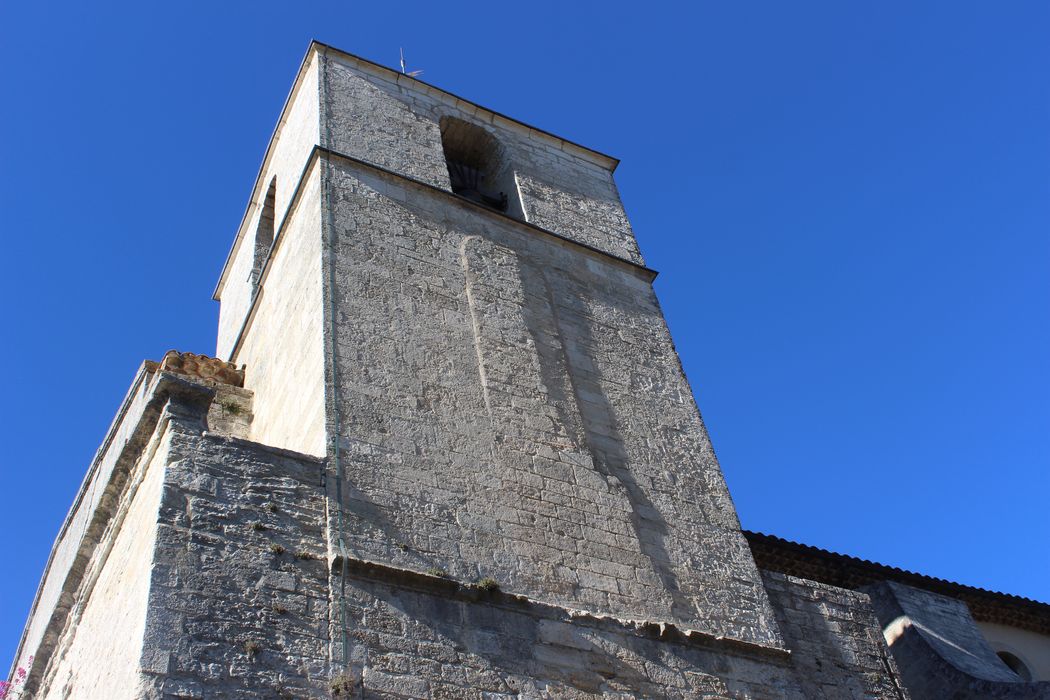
{"type": "Point", "coordinates": [462, 459]}
{"type": "Point", "coordinates": [451, 308]}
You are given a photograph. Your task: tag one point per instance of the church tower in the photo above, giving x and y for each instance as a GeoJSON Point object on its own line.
{"type": "Point", "coordinates": [450, 307]}
{"type": "Point", "coordinates": [447, 448]}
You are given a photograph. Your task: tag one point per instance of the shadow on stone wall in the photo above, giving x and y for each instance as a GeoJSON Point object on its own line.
{"type": "Point", "coordinates": [411, 643]}
{"type": "Point", "coordinates": [601, 432]}
{"type": "Point", "coordinates": [940, 650]}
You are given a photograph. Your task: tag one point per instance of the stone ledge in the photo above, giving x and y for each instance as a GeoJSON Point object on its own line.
{"type": "Point", "coordinates": [450, 588]}
{"type": "Point", "coordinates": [262, 446]}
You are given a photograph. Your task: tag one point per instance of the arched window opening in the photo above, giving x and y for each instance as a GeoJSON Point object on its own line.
{"type": "Point", "coordinates": [476, 163]}
{"type": "Point", "coordinates": [1015, 664]}
{"type": "Point", "coordinates": [264, 235]}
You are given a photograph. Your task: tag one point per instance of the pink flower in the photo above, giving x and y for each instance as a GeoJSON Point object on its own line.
{"type": "Point", "coordinates": [20, 678]}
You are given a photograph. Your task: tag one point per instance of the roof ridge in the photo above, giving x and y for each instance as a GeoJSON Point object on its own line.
{"type": "Point", "coordinates": [751, 534]}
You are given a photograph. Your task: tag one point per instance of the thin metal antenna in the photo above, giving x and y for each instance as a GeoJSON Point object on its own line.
{"type": "Point", "coordinates": [404, 69]}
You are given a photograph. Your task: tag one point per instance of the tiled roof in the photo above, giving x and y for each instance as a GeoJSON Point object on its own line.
{"type": "Point", "coordinates": [777, 554]}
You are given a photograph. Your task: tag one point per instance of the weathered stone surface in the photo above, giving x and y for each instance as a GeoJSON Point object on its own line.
{"type": "Point", "coordinates": [282, 343]}
{"type": "Point", "coordinates": [423, 641]}
{"type": "Point", "coordinates": [98, 652]}
{"type": "Point", "coordinates": [940, 650]}
{"type": "Point", "coordinates": [382, 120]}
{"type": "Point", "coordinates": [287, 156]}
{"type": "Point", "coordinates": [86, 535]}
{"type": "Point", "coordinates": [239, 598]}
{"type": "Point", "coordinates": [835, 640]}
{"type": "Point", "coordinates": [515, 412]}
{"type": "Point", "coordinates": [240, 603]}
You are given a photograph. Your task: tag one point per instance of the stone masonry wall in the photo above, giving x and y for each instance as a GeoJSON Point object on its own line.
{"type": "Point", "coordinates": [99, 658]}
{"type": "Point", "coordinates": [427, 637]}
{"type": "Point", "coordinates": [379, 120]}
{"type": "Point", "coordinates": [941, 651]}
{"type": "Point", "coordinates": [836, 642]}
{"type": "Point", "coordinates": [87, 522]}
{"type": "Point", "coordinates": [289, 153]}
{"type": "Point", "coordinates": [239, 602]}
{"type": "Point", "coordinates": [210, 577]}
{"type": "Point", "coordinates": [373, 120]}
{"type": "Point", "coordinates": [512, 406]}
{"type": "Point", "coordinates": [216, 583]}
{"type": "Point", "coordinates": [283, 348]}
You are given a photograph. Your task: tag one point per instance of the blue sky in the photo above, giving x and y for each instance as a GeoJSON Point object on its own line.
{"type": "Point", "coordinates": [847, 202]}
